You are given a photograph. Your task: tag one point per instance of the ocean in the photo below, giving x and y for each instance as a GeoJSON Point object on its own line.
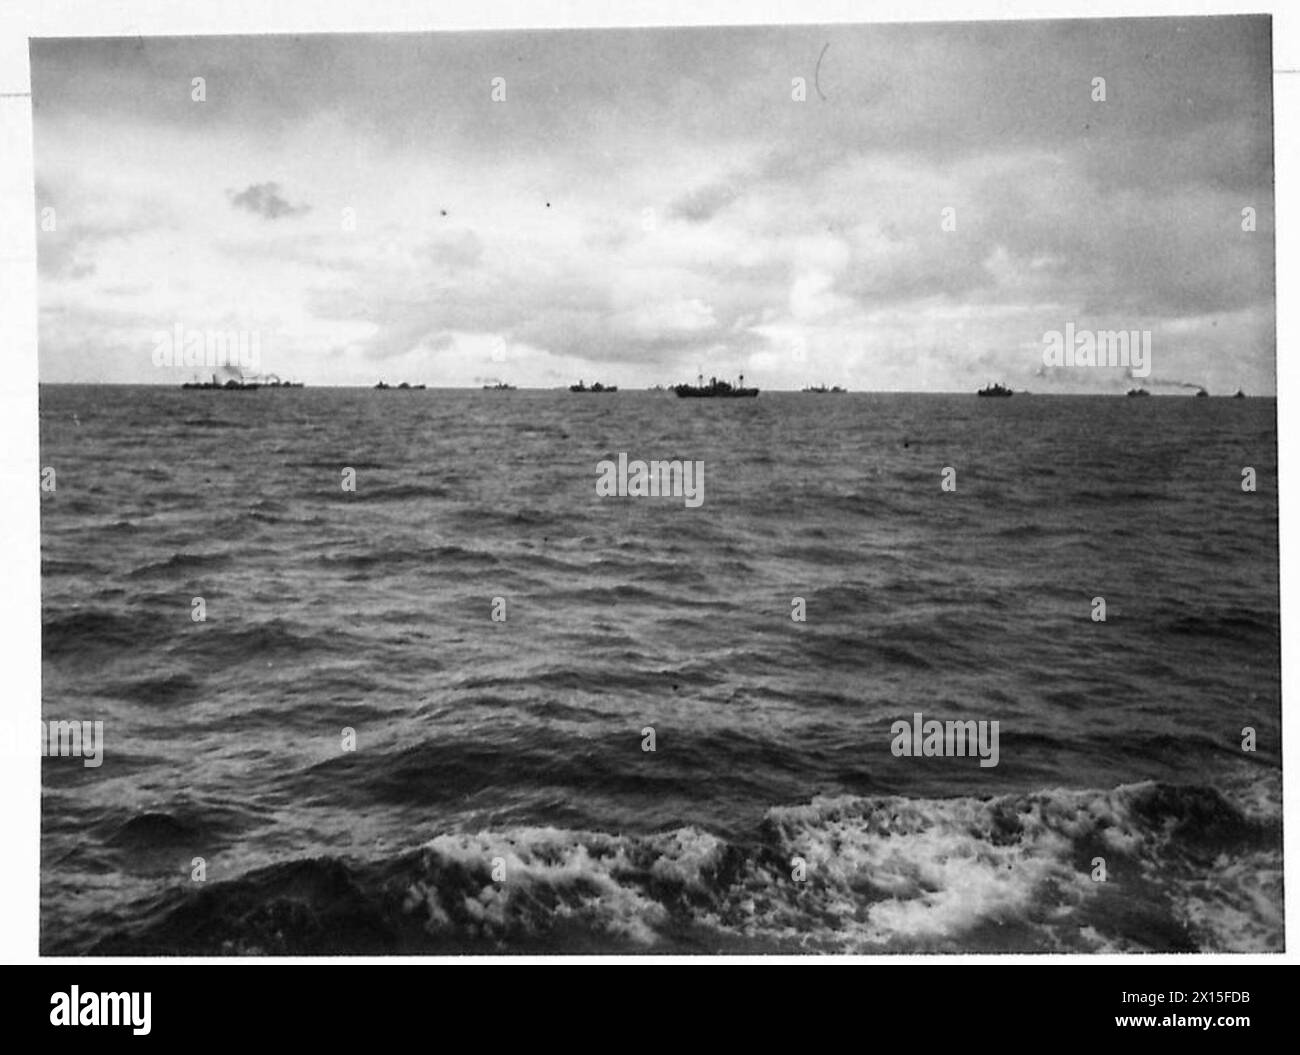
{"type": "Point", "coordinates": [349, 754]}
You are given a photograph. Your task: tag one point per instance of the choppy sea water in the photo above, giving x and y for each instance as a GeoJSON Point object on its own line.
{"type": "Point", "coordinates": [518, 745]}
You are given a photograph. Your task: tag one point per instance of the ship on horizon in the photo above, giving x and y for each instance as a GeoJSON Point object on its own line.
{"type": "Point", "coordinates": [597, 387]}
{"type": "Point", "coordinates": [715, 389]}
{"type": "Point", "coordinates": [822, 389]}
{"type": "Point", "coordinates": [995, 389]}
{"type": "Point", "coordinates": [242, 383]}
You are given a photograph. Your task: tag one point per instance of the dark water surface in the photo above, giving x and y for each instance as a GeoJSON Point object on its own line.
{"type": "Point", "coordinates": [522, 740]}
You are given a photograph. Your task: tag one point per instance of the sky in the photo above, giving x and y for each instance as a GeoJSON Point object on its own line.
{"type": "Point", "coordinates": [637, 206]}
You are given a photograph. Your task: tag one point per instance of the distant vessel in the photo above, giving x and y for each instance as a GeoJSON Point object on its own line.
{"type": "Point", "coordinates": [1201, 394]}
{"type": "Point", "coordinates": [230, 385]}
{"type": "Point", "coordinates": [1135, 392]}
{"type": "Point", "coordinates": [715, 389]}
{"type": "Point", "coordinates": [597, 387]}
{"type": "Point", "coordinates": [500, 386]}
{"type": "Point", "coordinates": [1239, 394]}
{"type": "Point", "coordinates": [824, 389]}
{"type": "Point", "coordinates": [398, 388]}
{"type": "Point", "coordinates": [995, 389]}
{"type": "Point", "coordinates": [242, 384]}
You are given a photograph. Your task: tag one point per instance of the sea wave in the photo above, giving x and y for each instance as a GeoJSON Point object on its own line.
{"type": "Point", "coordinates": [1186, 868]}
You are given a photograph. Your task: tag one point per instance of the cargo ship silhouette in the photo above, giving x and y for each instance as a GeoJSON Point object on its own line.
{"type": "Point", "coordinates": [242, 383]}
{"type": "Point", "coordinates": [715, 389]}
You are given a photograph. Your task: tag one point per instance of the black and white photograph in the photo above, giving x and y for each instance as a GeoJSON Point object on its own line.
{"type": "Point", "coordinates": [717, 491]}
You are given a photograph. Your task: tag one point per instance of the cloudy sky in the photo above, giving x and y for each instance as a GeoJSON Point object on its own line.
{"type": "Point", "coordinates": [643, 203]}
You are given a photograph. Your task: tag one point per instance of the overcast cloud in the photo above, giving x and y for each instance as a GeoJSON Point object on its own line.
{"type": "Point", "coordinates": [646, 202]}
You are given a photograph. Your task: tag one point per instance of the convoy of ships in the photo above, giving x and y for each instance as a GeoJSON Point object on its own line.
{"type": "Point", "coordinates": [997, 390]}
{"type": "Point", "coordinates": [715, 389]}
{"type": "Point", "coordinates": [1201, 393]}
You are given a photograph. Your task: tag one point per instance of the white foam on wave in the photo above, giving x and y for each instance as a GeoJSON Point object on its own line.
{"type": "Point", "coordinates": [888, 874]}
{"type": "Point", "coordinates": [907, 873]}
{"type": "Point", "coordinates": [899, 871]}
{"type": "Point", "coordinates": [550, 874]}
{"type": "Point", "coordinates": [1238, 905]}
